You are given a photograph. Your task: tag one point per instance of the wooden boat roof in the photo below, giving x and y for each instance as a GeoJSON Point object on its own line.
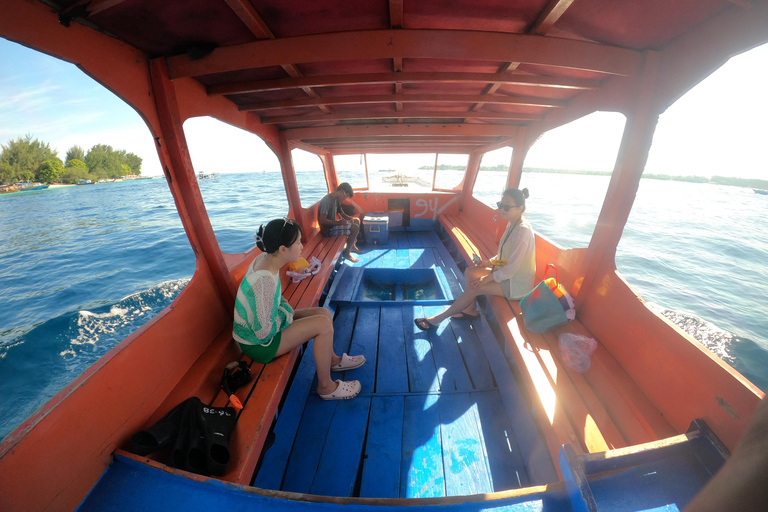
{"type": "Point", "coordinates": [410, 76]}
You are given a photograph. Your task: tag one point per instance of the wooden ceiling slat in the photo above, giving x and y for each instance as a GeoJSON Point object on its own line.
{"type": "Point", "coordinates": [396, 13]}
{"type": "Point", "coordinates": [527, 101]}
{"type": "Point", "coordinates": [404, 77]}
{"type": "Point", "coordinates": [492, 88]}
{"type": "Point", "coordinates": [426, 44]}
{"type": "Point", "coordinates": [91, 6]}
{"type": "Point", "coordinates": [348, 116]}
{"type": "Point", "coordinates": [248, 15]}
{"type": "Point", "coordinates": [404, 130]}
{"type": "Point", "coordinates": [549, 16]}
{"type": "Point", "coordinates": [251, 18]}
{"type": "Point", "coordinates": [396, 150]}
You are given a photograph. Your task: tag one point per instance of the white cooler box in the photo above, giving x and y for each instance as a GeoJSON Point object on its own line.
{"type": "Point", "coordinates": [376, 226]}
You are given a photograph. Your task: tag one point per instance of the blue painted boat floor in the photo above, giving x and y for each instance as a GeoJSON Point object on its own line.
{"type": "Point", "coordinates": [432, 418]}
{"type": "Point", "coordinates": [440, 415]}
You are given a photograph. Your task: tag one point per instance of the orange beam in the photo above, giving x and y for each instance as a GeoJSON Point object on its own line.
{"type": "Point", "coordinates": [403, 114]}
{"type": "Point", "coordinates": [396, 13]}
{"type": "Point", "coordinates": [519, 152]}
{"type": "Point", "coordinates": [403, 77]}
{"type": "Point", "coordinates": [256, 25]}
{"type": "Point", "coordinates": [174, 142]}
{"type": "Point", "coordinates": [733, 31]}
{"type": "Point", "coordinates": [378, 130]}
{"type": "Point", "coordinates": [473, 167]}
{"type": "Point", "coordinates": [295, 210]}
{"type": "Point", "coordinates": [426, 44]}
{"type": "Point", "coordinates": [507, 67]}
{"type": "Point", "coordinates": [250, 18]}
{"type": "Point", "coordinates": [528, 101]}
{"type": "Point", "coordinates": [549, 16]}
{"type": "Point", "coordinates": [625, 179]}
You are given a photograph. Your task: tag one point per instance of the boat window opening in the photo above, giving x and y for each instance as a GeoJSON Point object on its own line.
{"type": "Point", "coordinates": [233, 163]}
{"type": "Point", "coordinates": [310, 176]}
{"type": "Point", "coordinates": [352, 169]}
{"type": "Point", "coordinates": [82, 266]}
{"type": "Point", "coordinates": [697, 200]}
{"type": "Point", "coordinates": [449, 171]}
{"type": "Point", "coordinates": [492, 176]}
{"type": "Point", "coordinates": [407, 172]}
{"type": "Point", "coordinates": [575, 159]}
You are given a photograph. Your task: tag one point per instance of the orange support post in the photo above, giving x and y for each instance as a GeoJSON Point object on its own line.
{"type": "Point", "coordinates": [473, 167]}
{"type": "Point", "coordinates": [292, 188]}
{"type": "Point", "coordinates": [519, 152]}
{"type": "Point", "coordinates": [178, 164]}
{"type": "Point", "coordinates": [630, 163]}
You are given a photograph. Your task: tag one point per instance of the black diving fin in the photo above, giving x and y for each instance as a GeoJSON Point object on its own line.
{"type": "Point", "coordinates": [185, 433]}
{"type": "Point", "coordinates": [218, 424]}
{"type": "Point", "coordinates": [159, 435]}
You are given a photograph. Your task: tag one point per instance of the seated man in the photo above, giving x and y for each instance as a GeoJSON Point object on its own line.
{"type": "Point", "coordinates": [334, 221]}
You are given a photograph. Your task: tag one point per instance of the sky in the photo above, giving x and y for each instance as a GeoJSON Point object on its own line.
{"type": "Point", "coordinates": [57, 103]}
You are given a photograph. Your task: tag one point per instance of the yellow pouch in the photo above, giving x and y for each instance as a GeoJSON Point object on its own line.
{"type": "Point", "coordinates": [498, 263]}
{"type": "Point", "coordinates": [298, 265]}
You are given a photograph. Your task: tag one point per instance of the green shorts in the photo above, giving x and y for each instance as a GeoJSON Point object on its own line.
{"type": "Point", "coordinates": [262, 353]}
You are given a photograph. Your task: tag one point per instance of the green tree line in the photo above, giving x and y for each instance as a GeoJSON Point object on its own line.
{"type": "Point", "coordinates": [28, 159]}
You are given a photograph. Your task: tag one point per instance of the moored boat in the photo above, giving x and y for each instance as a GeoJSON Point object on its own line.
{"type": "Point", "coordinates": [25, 187]}
{"type": "Point", "coordinates": [760, 191]}
{"type": "Point", "coordinates": [445, 419]}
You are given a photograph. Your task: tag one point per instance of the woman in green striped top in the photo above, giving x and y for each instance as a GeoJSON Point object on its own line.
{"type": "Point", "coordinates": [266, 326]}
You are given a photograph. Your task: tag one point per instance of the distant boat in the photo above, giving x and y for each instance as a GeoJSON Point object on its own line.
{"type": "Point", "coordinates": [25, 187]}
{"type": "Point", "coordinates": [760, 191]}
{"type": "Point", "coordinates": [85, 182]}
{"type": "Point", "coordinates": [204, 176]}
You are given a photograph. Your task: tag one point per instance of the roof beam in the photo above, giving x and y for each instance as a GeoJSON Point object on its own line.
{"type": "Point", "coordinates": [396, 13]}
{"type": "Point", "coordinates": [527, 101]}
{"type": "Point", "coordinates": [402, 77]}
{"type": "Point", "coordinates": [348, 116]}
{"type": "Point", "coordinates": [459, 150]}
{"type": "Point", "coordinates": [259, 28]}
{"type": "Point", "coordinates": [549, 16]}
{"type": "Point", "coordinates": [427, 44]}
{"type": "Point", "coordinates": [507, 67]}
{"type": "Point", "coordinates": [86, 8]}
{"type": "Point", "coordinates": [251, 18]}
{"type": "Point", "coordinates": [405, 130]}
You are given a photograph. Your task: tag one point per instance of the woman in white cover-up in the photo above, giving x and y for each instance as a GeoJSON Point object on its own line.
{"type": "Point", "coordinates": [510, 274]}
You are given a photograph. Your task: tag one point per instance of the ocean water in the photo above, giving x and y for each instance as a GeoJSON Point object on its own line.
{"type": "Point", "coordinates": [83, 267]}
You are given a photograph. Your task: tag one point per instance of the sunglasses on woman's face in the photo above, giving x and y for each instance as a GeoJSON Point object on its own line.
{"type": "Point", "coordinates": [505, 207]}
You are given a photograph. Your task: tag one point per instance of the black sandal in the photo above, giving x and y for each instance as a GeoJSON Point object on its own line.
{"type": "Point", "coordinates": [423, 324]}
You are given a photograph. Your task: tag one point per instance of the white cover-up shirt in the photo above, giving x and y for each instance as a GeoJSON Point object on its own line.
{"type": "Point", "coordinates": [517, 246]}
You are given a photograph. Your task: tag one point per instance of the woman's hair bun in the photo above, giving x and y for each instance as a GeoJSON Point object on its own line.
{"type": "Point", "coordinates": [525, 193]}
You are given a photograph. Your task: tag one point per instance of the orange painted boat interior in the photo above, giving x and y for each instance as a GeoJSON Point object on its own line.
{"type": "Point", "coordinates": [337, 78]}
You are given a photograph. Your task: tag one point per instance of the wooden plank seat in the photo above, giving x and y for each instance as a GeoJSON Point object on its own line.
{"type": "Point", "coordinates": [262, 395]}
{"type": "Point", "coordinates": [598, 410]}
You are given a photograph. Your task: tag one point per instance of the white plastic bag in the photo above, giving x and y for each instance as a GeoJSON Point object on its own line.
{"type": "Point", "coordinates": [575, 350]}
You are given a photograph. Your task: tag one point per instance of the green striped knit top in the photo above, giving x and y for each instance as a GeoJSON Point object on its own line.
{"type": "Point", "coordinates": [260, 309]}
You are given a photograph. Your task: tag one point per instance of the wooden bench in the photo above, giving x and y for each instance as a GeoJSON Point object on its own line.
{"type": "Point", "coordinates": [598, 410]}
{"type": "Point", "coordinates": [262, 395]}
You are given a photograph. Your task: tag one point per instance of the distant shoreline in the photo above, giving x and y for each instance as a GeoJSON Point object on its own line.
{"type": "Point", "coordinates": [716, 180]}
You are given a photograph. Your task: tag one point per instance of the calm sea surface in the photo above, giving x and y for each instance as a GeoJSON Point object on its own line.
{"type": "Point", "coordinates": [83, 267]}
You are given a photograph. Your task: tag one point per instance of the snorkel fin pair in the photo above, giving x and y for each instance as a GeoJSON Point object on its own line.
{"type": "Point", "coordinates": [200, 436]}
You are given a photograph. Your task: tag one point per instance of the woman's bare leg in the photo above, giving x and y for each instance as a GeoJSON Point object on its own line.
{"type": "Point", "coordinates": [471, 274]}
{"type": "Point", "coordinates": [304, 328]}
{"type": "Point", "coordinates": [466, 301]}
